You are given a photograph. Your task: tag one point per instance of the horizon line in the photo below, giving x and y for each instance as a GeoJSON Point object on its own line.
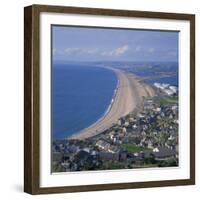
{"type": "Point", "coordinates": [110, 61]}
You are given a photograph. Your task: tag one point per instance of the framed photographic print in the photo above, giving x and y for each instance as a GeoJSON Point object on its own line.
{"type": "Point", "coordinates": [109, 99]}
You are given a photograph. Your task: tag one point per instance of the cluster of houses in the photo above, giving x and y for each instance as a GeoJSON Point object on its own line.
{"type": "Point", "coordinates": [166, 88]}
{"type": "Point", "coordinates": [152, 131]}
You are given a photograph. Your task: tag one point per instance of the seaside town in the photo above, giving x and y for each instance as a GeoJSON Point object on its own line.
{"type": "Point", "coordinates": [145, 138]}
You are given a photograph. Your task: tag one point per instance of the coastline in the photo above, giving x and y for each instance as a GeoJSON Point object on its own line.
{"type": "Point", "coordinates": [128, 94]}
{"type": "Point", "coordinates": [110, 105]}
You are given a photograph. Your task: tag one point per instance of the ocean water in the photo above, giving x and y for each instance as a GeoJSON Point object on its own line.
{"type": "Point", "coordinates": [172, 80]}
{"type": "Point", "coordinates": [81, 94]}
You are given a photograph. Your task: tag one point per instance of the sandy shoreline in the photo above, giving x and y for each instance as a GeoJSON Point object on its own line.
{"type": "Point", "coordinates": [130, 92]}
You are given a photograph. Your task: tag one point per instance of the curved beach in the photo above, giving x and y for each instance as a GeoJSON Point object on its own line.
{"type": "Point", "coordinates": [130, 92]}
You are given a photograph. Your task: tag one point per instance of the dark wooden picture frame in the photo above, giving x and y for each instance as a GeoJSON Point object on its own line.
{"type": "Point", "coordinates": [32, 95]}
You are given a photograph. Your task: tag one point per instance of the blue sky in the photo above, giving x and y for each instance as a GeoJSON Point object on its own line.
{"type": "Point", "coordinates": [98, 44]}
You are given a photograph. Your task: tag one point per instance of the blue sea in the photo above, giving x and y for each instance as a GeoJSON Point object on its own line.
{"type": "Point", "coordinates": [81, 94]}
{"type": "Point", "coordinates": [172, 80]}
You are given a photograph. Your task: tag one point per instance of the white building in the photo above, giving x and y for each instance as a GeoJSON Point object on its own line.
{"type": "Point", "coordinates": [168, 92]}
{"type": "Point", "coordinates": [166, 88]}
{"type": "Point", "coordinates": [173, 88]}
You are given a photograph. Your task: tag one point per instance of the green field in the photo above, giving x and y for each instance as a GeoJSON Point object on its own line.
{"type": "Point", "coordinates": [132, 148]}
{"type": "Point", "coordinates": [168, 100]}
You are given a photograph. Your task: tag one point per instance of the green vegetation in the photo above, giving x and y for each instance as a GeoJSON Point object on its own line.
{"type": "Point", "coordinates": [115, 165]}
{"type": "Point", "coordinates": [172, 162]}
{"type": "Point", "coordinates": [132, 148]}
{"type": "Point", "coordinates": [168, 100]}
{"type": "Point", "coordinates": [139, 165]}
{"type": "Point", "coordinates": [57, 167]}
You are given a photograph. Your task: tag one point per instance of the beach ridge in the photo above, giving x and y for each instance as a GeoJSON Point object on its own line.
{"type": "Point", "coordinates": [129, 93]}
